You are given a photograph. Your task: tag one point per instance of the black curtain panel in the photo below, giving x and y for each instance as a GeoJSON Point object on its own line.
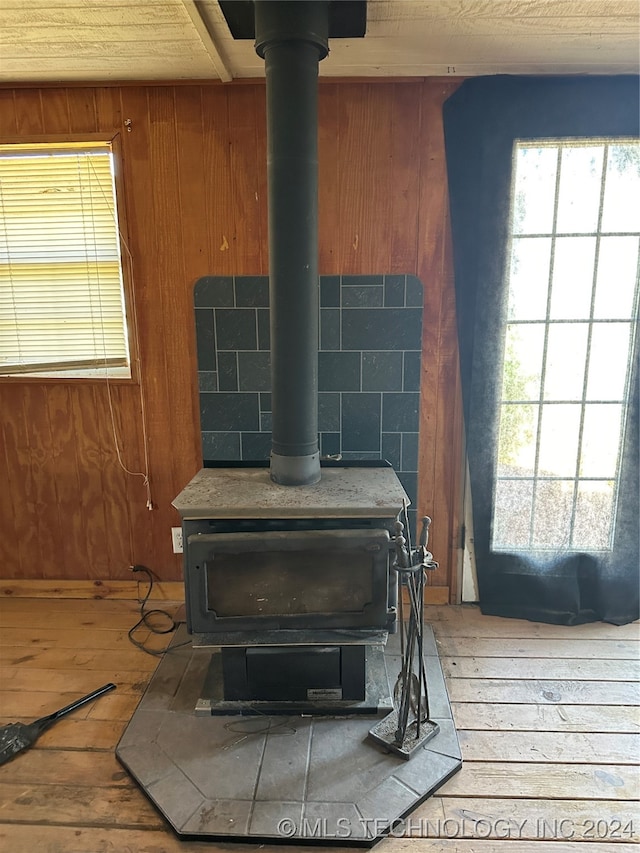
{"type": "Point", "coordinates": [482, 120]}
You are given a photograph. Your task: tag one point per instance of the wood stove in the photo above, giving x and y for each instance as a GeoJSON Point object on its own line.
{"type": "Point", "coordinates": [291, 591]}
{"type": "Point", "coordinates": [293, 586]}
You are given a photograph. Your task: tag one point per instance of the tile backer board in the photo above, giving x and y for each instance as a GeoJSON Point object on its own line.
{"type": "Point", "coordinates": [370, 331]}
{"type": "Point", "coordinates": [312, 780]}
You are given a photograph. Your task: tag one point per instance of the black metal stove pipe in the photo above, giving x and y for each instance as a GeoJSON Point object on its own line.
{"type": "Point", "coordinates": [292, 37]}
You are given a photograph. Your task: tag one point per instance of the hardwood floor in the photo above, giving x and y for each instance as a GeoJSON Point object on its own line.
{"type": "Point", "coordinates": [548, 721]}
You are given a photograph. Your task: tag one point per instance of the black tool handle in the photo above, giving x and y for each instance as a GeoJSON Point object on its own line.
{"type": "Point", "coordinates": [72, 707]}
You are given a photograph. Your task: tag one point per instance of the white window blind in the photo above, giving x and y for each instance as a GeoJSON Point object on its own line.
{"type": "Point", "coordinates": [61, 288]}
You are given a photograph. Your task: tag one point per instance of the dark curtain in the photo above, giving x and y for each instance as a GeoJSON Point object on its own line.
{"type": "Point", "coordinates": [482, 120]}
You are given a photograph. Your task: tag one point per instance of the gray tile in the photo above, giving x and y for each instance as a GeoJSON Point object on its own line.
{"type": "Point", "coordinates": [254, 371]}
{"type": "Point", "coordinates": [213, 291]}
{"type": "Point", "coordinates": [220, 817]}
{"type": "Point", "coordinates": [256, 446]}
{"type": "Point", "coordinates": [359, 280]}
{"type": "Point", "coordinates": [227, 371]}
{"type": "Point", "coordinates": [330, 291]}
{"type": "Point", "coordinates": [381, 371]}
{"type": "Point", "coordinates": [426, 769]}
{"type": "Point", "coordinates": [391, 448]}
{"type": "Point", "coordinates": [265, 402]}
{"type": "Point", "coordinates": [339, 371]}
{"type": "Point", "coordinates": [362, 296]}
{"type": "Point", "coordinates": [362, 455]}
{"type": "Point", "coordinates": [264, 330]}
{"type": "Point", "coordinates": [252, 291]}
{"type": "Point", "coordinates": [235, 328]}
{"type": "Point", "coordinates": [415, 294]}
{"type": "Point", "coordinates": [361, 422]}
{"type": "Point", "coordinates": [284, 765]}
{"type": "Point", "coordinates": [275, 819]}
{"type": "Point", "coordinates": [383, 328]}
{"type": "Point", "coordinates": [394, 291]}
{"type": "Point", "coordinates": [339, 821]}
{"type": "Point", "coordinates": [409, 451]}
{"type": "Point", "coordinates": [386, 802]}
{"type": "Point", "coordinates": [329, 412]}
{"type": "Point", "coordinates": [400, 412]}
{"type": "Point", "coordinates": [223, 411]}
{"type": "Point", "coordinates": [207, 380]}
{"type": "Point", "coordinates": [176, 796]}
{"type": "Point", "coordinates": [439, 706]}
{"type": "Point", "coordinates": [205, 339]}
{"type": "Point", "coordinates": [217, 446]}
{"type": "Point", "coordinates": [143, 728]}
{"type": "Point", "coordinates": [329, 329]}
{"type": "Point", "coordinates": [149, 761]}
{"type": "Point", "coordinates": [446, 741]}
{"type": "Point", "coordinates": [222, 764]}
{"type": "Point", "coordinates": [330, 443]}
{"type": "Point", "coordinates": [344, 765]}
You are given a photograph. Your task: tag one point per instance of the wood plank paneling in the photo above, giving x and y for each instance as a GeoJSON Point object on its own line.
{"type": "Point", "coordinates": [194, 194]}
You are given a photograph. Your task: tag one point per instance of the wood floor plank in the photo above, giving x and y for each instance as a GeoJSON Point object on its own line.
{"type": "Point", "coordinates": [483, 647]}
{"type": "Point", "coordinates": [18, 838]}
{"type": "Point", "coordinates": [550, 718]}
{"type": "Point", "coordinates": [75, 805]}
{"type": "Point", "coordinates": [547, 781]}
{"type": "Point", "coordinates": [78, 734]}
{"type": "Point", "coordinates": [558, 668]}
{"type": "Point", "coordinates": [566, 747]}
{"type": "Point", "coordinates": [69, 681]}
{"type": "Point", "coordinates": [88, 659]}
{"type": "Point", "coordinates": [87, 620]}
{"type": "Point", "coordinates": [530, 819]}
{"type": "Point", "coordinates": [86, 768]}
{"type": "Point", "coordinates": [546, 692]}
{"type": "Point", "coordinates": [469, 621]}
{"type": "Point", "coordinates": [18, 706]}
{"type": "Point", "coordinates": [64, 638]}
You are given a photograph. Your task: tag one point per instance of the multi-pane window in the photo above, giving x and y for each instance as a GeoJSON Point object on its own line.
{"type": "Point", "coordinates": [62, 309]}
{"type": "Point", "coordinates": [569, 343]}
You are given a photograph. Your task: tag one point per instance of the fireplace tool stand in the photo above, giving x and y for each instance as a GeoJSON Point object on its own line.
{"type": "Point", "coordinates": [408, 726]}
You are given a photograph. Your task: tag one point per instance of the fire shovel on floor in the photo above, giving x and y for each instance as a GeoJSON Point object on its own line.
{"type": "Point", "coordinates": [16, 737]}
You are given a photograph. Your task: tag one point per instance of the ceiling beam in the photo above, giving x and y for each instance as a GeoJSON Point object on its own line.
{"type": "Point", "coordinates": [208, 41]}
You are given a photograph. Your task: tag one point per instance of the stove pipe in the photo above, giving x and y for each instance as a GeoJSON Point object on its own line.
{"type": "Point", "coordinates": [292, 38]}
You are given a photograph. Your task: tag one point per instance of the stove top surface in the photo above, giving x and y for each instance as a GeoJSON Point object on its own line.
{"type": "Point", "coordinates": [250, 493]}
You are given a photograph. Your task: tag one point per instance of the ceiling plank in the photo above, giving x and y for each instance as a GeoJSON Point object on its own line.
{"type": "Point", "coordinates": [208, 41]}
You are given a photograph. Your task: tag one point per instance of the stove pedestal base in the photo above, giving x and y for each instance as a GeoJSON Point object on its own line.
{"type": "Point", "coordinates": [308, 780]}
{"type": "Point", "coordinates": [376, 700]}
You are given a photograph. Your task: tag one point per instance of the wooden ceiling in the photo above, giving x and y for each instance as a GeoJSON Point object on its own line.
{"type": "Point", "coordinates": [109, 40]}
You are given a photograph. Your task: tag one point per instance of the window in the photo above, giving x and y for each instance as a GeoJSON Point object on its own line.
{"type": "Point", "coordinates": [62, 309]}
{"type": "Point", "coordinates": [569, 340]}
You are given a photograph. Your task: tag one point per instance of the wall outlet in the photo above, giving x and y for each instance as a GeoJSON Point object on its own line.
{"type": "Point", "coordinates": [176, 538]}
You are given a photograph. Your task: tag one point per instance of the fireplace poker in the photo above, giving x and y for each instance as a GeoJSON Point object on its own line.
{"type": "Point", "coordinates": [17, 737]}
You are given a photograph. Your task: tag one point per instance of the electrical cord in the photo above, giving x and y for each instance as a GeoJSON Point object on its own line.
{"type": "Point", "coordinates": [145, 615]}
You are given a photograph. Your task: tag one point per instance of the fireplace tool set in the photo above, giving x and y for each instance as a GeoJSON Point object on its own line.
{"type": "Point", "coordinates": [408, 726]}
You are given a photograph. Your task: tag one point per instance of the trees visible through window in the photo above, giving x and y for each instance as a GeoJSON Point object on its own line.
{"type": "Point", "coordinates": [62, 308]}
{"type": "Point", "coordinates": [569, 343]}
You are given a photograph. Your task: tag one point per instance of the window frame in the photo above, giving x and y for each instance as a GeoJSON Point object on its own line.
{"type": "Point", "coordinates": [115, 142]}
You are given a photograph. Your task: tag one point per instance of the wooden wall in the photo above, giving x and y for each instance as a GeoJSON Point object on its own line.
{"type": "Point", "coordinates": [194, 178]}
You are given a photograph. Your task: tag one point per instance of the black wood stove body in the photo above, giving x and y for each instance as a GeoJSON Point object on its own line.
{"type": "Point", "coordinates": [292, 587]}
